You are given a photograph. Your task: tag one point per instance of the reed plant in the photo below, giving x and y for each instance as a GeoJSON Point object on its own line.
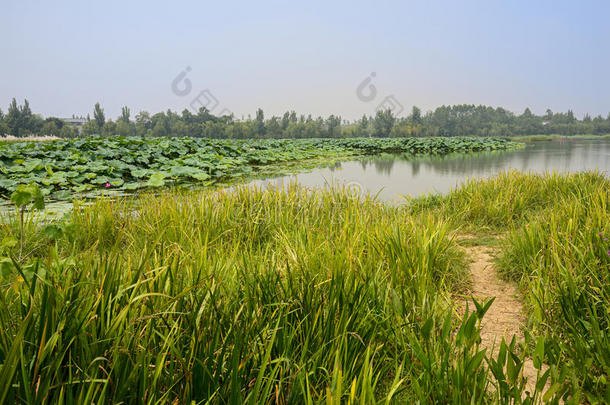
{"type": "Point", "coordinates": [562, 260]}
{"type": "Point", "coordinates": [508, 199]}
{"type": "Point", "coordinates": [553, 234]}
{"type": "Point", "coordinates": [291, 295]}
{"type": "Point", "coordinates": [252, 296]}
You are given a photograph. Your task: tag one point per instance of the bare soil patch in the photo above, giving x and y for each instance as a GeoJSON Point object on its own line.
{"type": "Point", "coordinates": [505, 318]}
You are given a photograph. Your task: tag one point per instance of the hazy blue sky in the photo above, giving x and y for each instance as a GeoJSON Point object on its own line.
{"type": "Point", "coordinates": [63, 56]}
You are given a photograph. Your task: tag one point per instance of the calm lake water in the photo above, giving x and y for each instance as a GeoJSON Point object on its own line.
{"type": "Point", "coordinates": [393, 176]}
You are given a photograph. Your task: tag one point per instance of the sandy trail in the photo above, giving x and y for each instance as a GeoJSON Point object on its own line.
{"type": "Point", "coordinates": [505, 316]}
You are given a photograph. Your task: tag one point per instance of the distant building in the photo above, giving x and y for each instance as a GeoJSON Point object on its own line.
{"type": "Point", "coordinates": [76, 122]}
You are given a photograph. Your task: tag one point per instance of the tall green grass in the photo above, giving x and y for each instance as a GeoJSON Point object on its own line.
{"type": "Point", "coordinates": [250, 296]}
{"type": "Point", "coordinates": [509, 199]}
{"type": "Point", "coordinates": [562, 259]}
{"type": "Point", "coordinates": [554, 232]}
{"type": "Point", "coordinates": [305, 296]}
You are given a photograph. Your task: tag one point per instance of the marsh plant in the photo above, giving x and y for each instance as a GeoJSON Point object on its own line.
{"type": "Point", "coordinates": [552, 231]}
{"type": "Point", "coordinates": [65, 168]}
{"type": "Point", "coordinates": [250, 296]}
{"type": "Point", "coordinates": [291, 295]}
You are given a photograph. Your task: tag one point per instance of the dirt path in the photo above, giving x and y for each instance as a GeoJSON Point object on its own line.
{"type": "Point", "coordinates": [505, 316]}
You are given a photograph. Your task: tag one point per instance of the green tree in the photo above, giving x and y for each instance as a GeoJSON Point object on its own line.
{"type": "Point", "coordinates": [143, 117]}
{"type": "Point", "coordinates": [125, 113]}
{"type": "Point", "coordinates": [91, 128]}
{"type": "Point", "coordinates": [20, 119]}
{"type": "Point", "coordinates": [363, 127]}
{"type": "Point", "coordinates": [98, 116]}
{"type": "Point", "coordinates": [26, 114]}
{"type": "Point", "coordinates": [416, 117]}
{"type": "Point", "coordinates": [285, 120]}
{"type": "Point", "coordinates": [144, 124]}
{"type": "Point", "coordinates": [50, 129]}
{"type": "Point", "coordinates": [25, 121]}
{"type": "Point", "coordinates": [383, 122]}
{"type": "Point", "coordinates": [58, 122]}
{"type": "Point", "coordinates": [179, 128]}
{"type": "Point", "coordinates": [13, 118]}
{"type": "Point", "coordinates": [273, 128]}
{"type": "Point", "coordinates": [159, 129]}
{"type": "Point", "coordinates": [4, 129]}
{"type": "Point", "coordinates": [333, 126]}
{"type": "Point", "coordinates": [109, 128]}
{"type": "Point", "coordinates": [68, 132]}
{"type": "Point", "coordinates": [204, 115]}
{"type": "Point", "coordinates": [260, 122]}
{"type": "Point", "coordinates": [125, 128]}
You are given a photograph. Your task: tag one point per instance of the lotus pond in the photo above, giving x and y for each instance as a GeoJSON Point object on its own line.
{"type": "Point", "coordinates": [86, 166]}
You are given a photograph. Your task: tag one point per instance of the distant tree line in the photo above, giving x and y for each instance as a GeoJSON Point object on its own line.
{"type": "Point", "coordinates": [458, 120]}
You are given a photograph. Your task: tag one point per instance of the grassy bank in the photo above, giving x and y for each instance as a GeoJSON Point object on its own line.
{"type": "Point", "coordinates": [561, 258]}
{"type": "Point", "coordinates": [556, 137]}
{"type": "Point", "coordinates": [555, 243]}
{"type": "Point", "coordinates": [288, 297]}
{"type": "Point", "coordinates": [300, 296]}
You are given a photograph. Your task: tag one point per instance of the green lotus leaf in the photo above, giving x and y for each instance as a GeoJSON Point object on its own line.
{"type": "Point", "coordinates": [201, 176]}
{"type": "Point", "coordinates": [139, 173]}
{"type": "Point", "coordinates": [33, 164]}
{"type": "Point", "coordinates": [156, 180]}
{"type": "Point", "coordinates": [82, 187]}
{"type": "Point", "coordinates": [100, 180]}
{"type": "Point", "coordinates": [26, 194]}
{"type": "Point", "coordinates": [132, 186]}
{"type": "Point", "coordinates": [183, 171]}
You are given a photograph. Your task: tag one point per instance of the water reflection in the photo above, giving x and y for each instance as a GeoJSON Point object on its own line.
{"type": "Point", "coordinates": [393, 176]}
